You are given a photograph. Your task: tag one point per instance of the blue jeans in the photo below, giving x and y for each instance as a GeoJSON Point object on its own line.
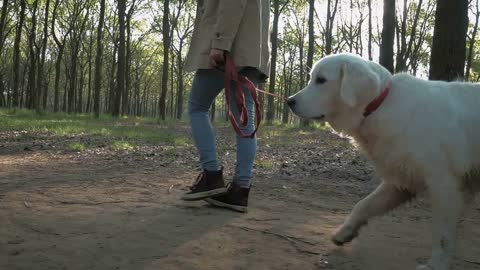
{"type": "Point", "coordinates": [207, 84]}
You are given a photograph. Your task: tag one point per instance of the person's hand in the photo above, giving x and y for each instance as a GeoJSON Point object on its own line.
{"type": "Point", "coordinates": [217, 58]}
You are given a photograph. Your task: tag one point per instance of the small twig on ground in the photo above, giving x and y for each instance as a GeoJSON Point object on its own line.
{"type": "Point", "coordinates": [27, 205]}
{"type": "Point", "coordinates": [42, 232]}
{"type": "Point", "coordinates": [392, 236]}
{"type": "Point", "coordinates": [293, 240]}
{"type": "Point", "coordinates": [170, 189]}
{"type": "Point", "coordinates": [97, 203]}
{"type": "Point", "coordinates": [472, 262]}
{"type": "Point", "coordinates": [301, 250]}
{"type": "Point", "coordinates": [263, 219]}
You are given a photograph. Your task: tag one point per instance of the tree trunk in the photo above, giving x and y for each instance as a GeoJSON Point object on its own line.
{"type": "Point", "coordinates": [79, 105]}
{"type": "Point", "coordinates": [370, 30]}
{"type": "Point", "coordinates": [22, 87]}
{"type": "Point", "coordinates": [471, 46]}
{"type": "Point", "coordinates": [311, 42]}
{"type": "Point", "coordinates": [121, 58]}
{"type": "Point", "coordinates": [447, 60]}
{"type": "Point", "coordinates": [65, 89]}
{"type": "Point", "coordinates": [388, 35]}
{"type": "Point", "coordinates": [128, 56]}
{"type": "Point", "coordinates": [58, 65]}
{"type": "Point", "coordinates": [166, 49]}
{"type": "Point", "coordinates": [31, 92]}
{"type": "Point", "coordinates": [329, 26]}
{"type": "Point", "coordinates": [4, 101]}
{"type": "Point", "coordinates": [413, 32]}
{"type": "Point", "coordinates": [128, 61]}
{"type": "Point", "coordinates": [359, 43]}
{"type": "Point", "coordinates": [273, 62]}
{"type": "Point", "coordinates": [145, 97]}
{"type": "Point", "coordinates": [311, 37]}
{"type": "Point", "coordinates": [404, 50]}
{"type": "Point", "coordinates": [3, 18]}
{"type": "Point", "coordinates": [180, 83]}
{"type": "Point", "coordinates": [136, 102]}
{"type": "Point", "coordinates": [172, 86]}
{"type": "Point", "coordinates": [301, 56]}
{"type": "Point", "coordinates": [75, 40]}
{"type": "Point", "coordinates": [41, 86]}
{"type": "Point", "coordinates": [401, 39]}
{"type": "Point", "coordinates": [16, 54]}
{"type": "Point", "coordinates": [287, 76]}
{"type": "Point", "coordinates": [112, 86]}
{"type": "Point", "coordinates": [98, 61]}
{"type": "Point", "coordinates": [89, 86]}
{"type": "Point", "coordinates": [73, 77]}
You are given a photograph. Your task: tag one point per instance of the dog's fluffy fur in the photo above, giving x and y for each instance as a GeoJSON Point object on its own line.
{"type": "Point", "coordinates": [425, 136]}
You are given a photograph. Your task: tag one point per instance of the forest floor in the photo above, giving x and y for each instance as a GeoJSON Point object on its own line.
{"type": "Point", "coordinates": [77, 193]}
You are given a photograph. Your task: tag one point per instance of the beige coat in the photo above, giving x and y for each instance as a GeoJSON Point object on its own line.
{"type": "Point", "coordinates": [238, 26]}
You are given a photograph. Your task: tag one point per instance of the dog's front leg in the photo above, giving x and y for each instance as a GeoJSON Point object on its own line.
{"type": "Point", "coordinates": [384, 198]}
{"type": "Point", "coordinates": [448, 203]}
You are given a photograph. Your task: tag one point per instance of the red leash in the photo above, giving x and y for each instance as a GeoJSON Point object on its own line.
{"type": "Point", "coordinates": [271, 94]}
{"type": "Point", "coordinates": [240, 81]}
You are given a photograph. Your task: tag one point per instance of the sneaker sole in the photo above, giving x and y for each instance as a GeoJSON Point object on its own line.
{"type": "Point", "coordinates": [237, 208]}
{"type": "Point", "coordinates": [202, 195]}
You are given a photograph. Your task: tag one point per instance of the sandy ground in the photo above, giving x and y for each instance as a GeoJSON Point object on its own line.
{"type": "Point", "coordinates": [121, 210]}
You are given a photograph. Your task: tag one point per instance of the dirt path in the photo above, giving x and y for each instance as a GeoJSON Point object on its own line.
{"type": "Point", "coordinates": [105, 209]}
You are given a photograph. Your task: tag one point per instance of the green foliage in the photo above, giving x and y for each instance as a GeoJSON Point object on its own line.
{"type": "Point", "coordinates": [77, 147]}
{"type": "Point", "coordinates": [59, 124]}
{"type": "Point", "coordinates": [264, 164]}
{"type": "Point", "coordinates": [122, 145]}
{"type": "Point", "coordinates": [181, 142]}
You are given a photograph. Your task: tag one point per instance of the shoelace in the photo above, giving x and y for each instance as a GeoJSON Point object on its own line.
{"type": "Point", "coordinates": [199, 178]}
{"type": "Point", "coordinates": [228, 185]}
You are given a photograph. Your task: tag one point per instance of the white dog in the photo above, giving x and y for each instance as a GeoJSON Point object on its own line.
{"type": "Point", "coordinates": [421, 136]}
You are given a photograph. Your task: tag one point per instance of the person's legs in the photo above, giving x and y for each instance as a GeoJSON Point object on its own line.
{"type": "Point", "coordinates": [207, 84]}
{"type": "Point", "coordinates": [246, 147]}
{"type": "Point", "coordinates": [237, 196]}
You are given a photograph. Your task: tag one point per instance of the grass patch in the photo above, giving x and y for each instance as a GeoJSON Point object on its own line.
{"type": "Point", "coordinates": [77, 147]}
{"type": "Point", "coordinates": [181, 141]}
{"type": "Point", "coordinates": [145, 129]}
{"type": "Point", "coordinates": [151, 130]}
{"type": "Point", "coordinates": [122, 145]}
{"type": "Point", "coordinates": [264, 164]}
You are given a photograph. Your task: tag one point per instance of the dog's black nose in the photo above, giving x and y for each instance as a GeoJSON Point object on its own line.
{"type": "Point", "coordinates": [291, 102]}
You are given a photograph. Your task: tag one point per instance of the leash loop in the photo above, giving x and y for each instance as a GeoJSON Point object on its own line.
{"type": "Point", "coordinates": [239, 81]}
{"type": "Point", "coordinates": [231, 75]}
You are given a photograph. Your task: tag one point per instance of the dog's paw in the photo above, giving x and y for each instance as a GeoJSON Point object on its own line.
{"type": "Point", "coordinates": [344, 235]}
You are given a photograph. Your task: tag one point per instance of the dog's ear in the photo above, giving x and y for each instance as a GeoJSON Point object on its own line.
{"type": "Point", "coordinates": [357, 81]}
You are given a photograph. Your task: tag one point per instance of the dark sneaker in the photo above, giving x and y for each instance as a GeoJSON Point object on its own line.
{"type": "Point", "coordinates": [207, 184]}
{"type": "Point", "coordinates": [236, 198]}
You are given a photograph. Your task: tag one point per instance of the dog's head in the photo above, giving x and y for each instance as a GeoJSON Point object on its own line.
{"type": "Point", "coordinates": [340, 88]}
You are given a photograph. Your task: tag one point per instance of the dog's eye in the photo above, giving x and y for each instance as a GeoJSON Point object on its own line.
{"type": "Point", "coordinates": [320, 80]}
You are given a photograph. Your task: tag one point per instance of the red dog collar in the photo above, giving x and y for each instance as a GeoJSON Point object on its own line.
{"type": "Point", "coordinates": [372, 106]}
